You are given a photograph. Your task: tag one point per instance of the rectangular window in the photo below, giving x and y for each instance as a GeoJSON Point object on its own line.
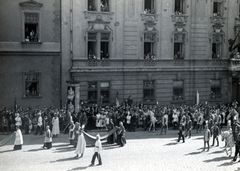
{"type": "Point", "coordinates": [31, 27]}
{"type": "Point", "coordinates": [92, 5]}
{"type": "Point", "coordinates": [104, 45]}
{"type": "Point", "coordinates": [149, 45]}
{"type": "Point", "coordinates": [148, 91]}
{"type": "Point", "coordinates": [149, 7]}
{"type": "Point", "coordinates": [215, 89]}
{"type": "Point", "coordinates": [216, 50]}
{"type": "Point", "coordinates": [178, 90]}
{"type": "Point", "coordinates": [104, 6]}
{"type": "Point", "coordinates": [180, 7]}
{"type": "Point", "coordinates": [178, 51]}
{"type": "Point", "coordinates": [105, 92]}
{"type": "Point", "coordinates": [92, 45]}
{"type": "Point", "coordinates": [217, 9]}
{"type": "Point", "coordinates": [31, 84]}
{"type": "Point", "coordinates": [92, 92]}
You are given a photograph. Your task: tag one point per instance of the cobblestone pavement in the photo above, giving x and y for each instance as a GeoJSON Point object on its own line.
{"type": "Point", "coordinates": [143, 151]}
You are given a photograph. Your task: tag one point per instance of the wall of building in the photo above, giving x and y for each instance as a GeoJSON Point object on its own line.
{"type": "Point", "coordinates": [18, 56]}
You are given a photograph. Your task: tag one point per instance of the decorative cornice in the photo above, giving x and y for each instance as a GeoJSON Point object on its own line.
{"type": "Point", "coordinates": [31, 3]}
{"type": "Point", "coordinates": [94, 14]}
{"type": "Point", "coordinates": [149, 17]}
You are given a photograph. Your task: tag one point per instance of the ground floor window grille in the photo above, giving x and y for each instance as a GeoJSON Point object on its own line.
{"type": "Point", "coordinates": [178, 90]}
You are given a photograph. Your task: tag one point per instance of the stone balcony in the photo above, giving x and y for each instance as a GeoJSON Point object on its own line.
{"type": "Point", "coordinates": [100, 15]}
{"type": "Point", "coordinates": [217, 21]}
{"type": "Point", "coordinates": [120, 65]}
{"type": "Point", "coordinates": [180, 19]}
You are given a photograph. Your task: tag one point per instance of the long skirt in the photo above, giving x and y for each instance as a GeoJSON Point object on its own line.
{"type": "Point", "coordinates": [17, 147]}
{"type": "Point", "coordinates": [48, 145]}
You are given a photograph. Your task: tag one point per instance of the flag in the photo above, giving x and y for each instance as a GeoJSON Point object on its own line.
{"type": "Point", "coordinates": [197, 98]}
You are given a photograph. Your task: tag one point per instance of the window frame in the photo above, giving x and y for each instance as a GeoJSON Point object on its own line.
{"type": "Point", "coordinates": [24, 12]}
{"type": "Point", "coordinates": [98, 90]}
{"type": "Point", "coordinates": [93, 90]}
{"type": "Point", "coordinates": [181, 54]}
{"type": "Point", "coordinates": [218, 95]}
{"type": "Point", "coordinates": [98, 6]}
{"type": "Point", "coordinates": [151, 99]}
{"type": "Point", "coordinates": [98, 44]}
{"type": "Point", "coordinates": [153, 44]}
{"type": "Point", "coordinates": [24, 74]}
{"type": "Point", "coordinates": [220, 9]}
{"type": "Point", "coordinates": [152, 8]}
{"type": "Point", "coordinates": [183, 8]}
{"type": "Point", "coordinates": [183, 92]}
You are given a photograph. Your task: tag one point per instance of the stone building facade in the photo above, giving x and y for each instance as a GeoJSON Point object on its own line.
{"type": "Point", "coordinates": [157, 51]}
{"type": "Point", "coordinates": [161, 51]}
{"type": "Point", "coordinates": [30, 53]}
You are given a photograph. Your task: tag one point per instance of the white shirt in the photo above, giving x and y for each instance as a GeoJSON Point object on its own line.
{"type": "Point", "coordinates": [98, 146]}
{"type": "Point", "coordinates": [39, 121]}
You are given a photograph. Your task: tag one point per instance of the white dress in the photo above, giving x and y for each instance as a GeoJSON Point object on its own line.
{"type": "Point", "coordinates": [55, 128]}
{"type": "Point", "coordinates": [81, 145]}
{"type": "Point", "coordinates": [19, 138]}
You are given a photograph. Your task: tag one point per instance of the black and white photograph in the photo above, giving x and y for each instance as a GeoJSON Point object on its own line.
{"type": "Point", "coordinates": [114, 85]}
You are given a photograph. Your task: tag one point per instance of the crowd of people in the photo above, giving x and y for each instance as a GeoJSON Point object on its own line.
{"type": "Point", "coordinates": [129, 116]}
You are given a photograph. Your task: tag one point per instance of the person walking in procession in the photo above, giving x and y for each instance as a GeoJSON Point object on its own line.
{"type": "Point", "coordinates": [215, 132]}
{"type": "Point", "coordinates": [18, 139]}
{"type": "Point", "coordinates": [47, 139]}
{"type": "Point", "coordinates": [206, 137]}
{"type": "Point", "coordinates": [55, 125]}
{"type": "Point", "coordinates": [81, 145]}
{"type": "Point", "coordinates": [97, 151]}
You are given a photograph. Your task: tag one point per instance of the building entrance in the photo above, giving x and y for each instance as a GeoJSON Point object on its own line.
{"type": "Point", "coordinates": [236, 89]}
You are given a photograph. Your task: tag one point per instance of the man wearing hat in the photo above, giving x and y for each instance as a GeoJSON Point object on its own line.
{"type": "Point", "coordinates": [97, 151]}
{"type": "Point", "coordinates": [39, 124]}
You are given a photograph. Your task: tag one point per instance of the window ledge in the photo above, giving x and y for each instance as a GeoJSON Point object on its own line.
{"type": "Point", "coordinates": [32, 97]}
{"type": "Point", "coordinates": [31, 42]}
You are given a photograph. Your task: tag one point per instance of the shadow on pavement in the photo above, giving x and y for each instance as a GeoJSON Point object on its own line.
{"type": "Point", "coordinates": [66, 159]}
{"type": "Point", "coordinates": [7, 151]}
{"type": "Point", "coordinates": [34, 150]}
{"type": "Point", "coordinates": [217, 159]}
{"type": "Point", "coordinates": [199, 138]}
{"type": "Point", "coordinates": [66, 149]}
{"type": "Point", "coordinates": [61, 145]}
{"type": "Point", "coordinates": [230, 163]}
{"type": "Point", "coordinates": [194, 153]}
{"type": "Point", "coordinates": [174, 143]}
{"type": "Point", "coordinates": [216, 152]}
{"type": "Point", "coordinates": [79, 168]}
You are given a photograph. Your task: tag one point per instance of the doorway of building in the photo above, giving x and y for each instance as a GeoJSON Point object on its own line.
{"type": "Point", "coordinates": [236, 89]}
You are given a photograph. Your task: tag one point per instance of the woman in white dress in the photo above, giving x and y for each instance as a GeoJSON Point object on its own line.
{"type": "Point", "coordinates": [18, 139]}
{"type": "Point", "coordinates": [81, 145]}
{"type": "Point", "coordinates": [55, 125]}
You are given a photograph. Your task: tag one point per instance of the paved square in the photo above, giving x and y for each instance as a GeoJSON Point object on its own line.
{"type": "Point", "coordinates": [143, 151]}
